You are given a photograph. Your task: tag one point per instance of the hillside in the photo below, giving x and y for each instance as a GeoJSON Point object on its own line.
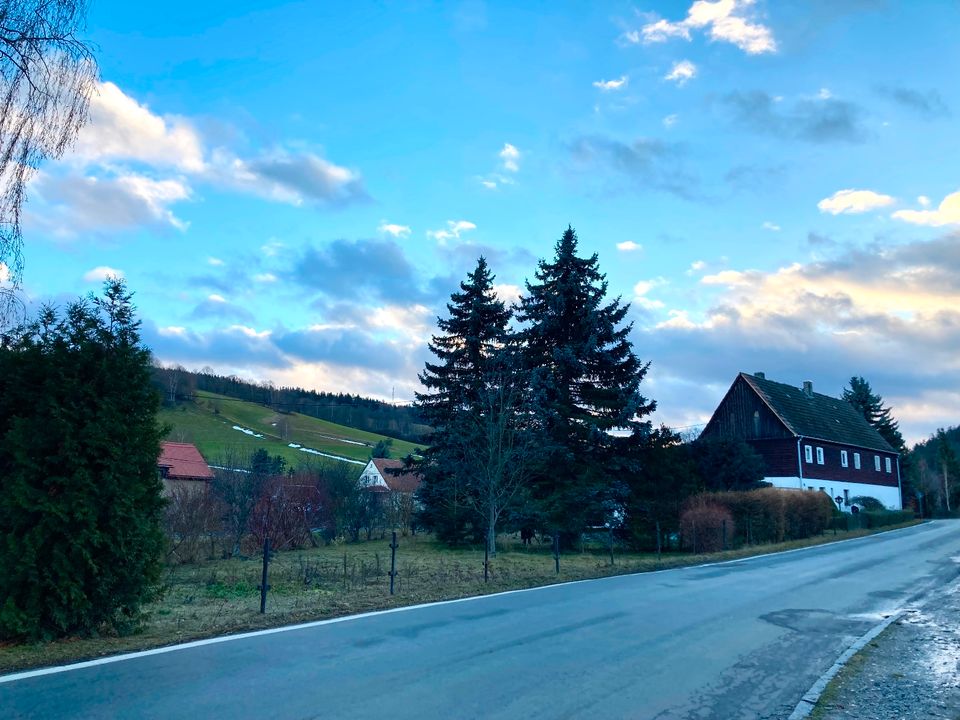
{"type": "Point", "coordinates": [210, 421]}
{"type": "Point", "coordinates": [354, 411]}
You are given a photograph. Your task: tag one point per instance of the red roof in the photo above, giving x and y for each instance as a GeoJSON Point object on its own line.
{"type": "Point", "coordinates": [183, 462]}
{"type": "Point", "coordinates": [405, 482]}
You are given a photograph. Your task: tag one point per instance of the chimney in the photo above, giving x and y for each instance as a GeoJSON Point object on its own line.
{"type": "Point", "coordinates": [808, 388]}
{"type": "Point", "coordinates": [760, 375]}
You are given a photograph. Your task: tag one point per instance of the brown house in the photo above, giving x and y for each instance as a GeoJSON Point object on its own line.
{"type": "Point", "coordinates": [808, 441]}
{"type": "Point", "coordinates": [182, 465]}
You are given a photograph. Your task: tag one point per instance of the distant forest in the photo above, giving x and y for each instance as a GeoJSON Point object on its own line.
{"type": "Point", "coordinates": [177, 384]}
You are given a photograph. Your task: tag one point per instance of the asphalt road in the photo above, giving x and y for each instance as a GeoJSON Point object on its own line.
{"type": "Point", "coordinates": [736, 640]}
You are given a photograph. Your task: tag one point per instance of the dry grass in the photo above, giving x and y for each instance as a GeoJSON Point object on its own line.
{"type": "Point", "coordinates": [221, 597]}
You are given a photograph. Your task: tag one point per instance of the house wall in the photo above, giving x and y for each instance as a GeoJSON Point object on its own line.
{"type": "Point", "coordinates": [889, 496]}
{"type": "Point", "coordinates": [832, 469]}
{"type": "Point", "coordinates": [192, 486]}
{"type": "Point", "coordinates": [779, 456]}
{"type": "Point", "coordinates": [371, 476]}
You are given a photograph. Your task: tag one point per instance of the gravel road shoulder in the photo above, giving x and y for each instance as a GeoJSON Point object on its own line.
{"type": "Point", "coordinates": [909, 672]}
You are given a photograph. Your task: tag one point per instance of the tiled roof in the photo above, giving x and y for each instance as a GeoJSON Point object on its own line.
{"type": "Point", "coordinates": [818, 416]}
{"type": "Point", "coordinates": [183, 462]}
{"type": "Point", "coordinates": [405, 482]}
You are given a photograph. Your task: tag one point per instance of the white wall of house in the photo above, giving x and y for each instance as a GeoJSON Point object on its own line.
{"type": "Point", "coordinates": [889, 496]}
{"type": "Point", "coordinates": [371, 476]}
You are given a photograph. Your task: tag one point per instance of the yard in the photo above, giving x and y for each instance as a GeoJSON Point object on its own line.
{"type": "Point", "coordinates": [220, 597]}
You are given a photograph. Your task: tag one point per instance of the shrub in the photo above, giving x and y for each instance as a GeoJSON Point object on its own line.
{"type": "Point", "coordinates": [868, 503]}
{"type": "Point", "coordinates": [706, 526]}
{"type": "Point", "coordinates": [887, 517]}
{"type": "Point", "coordinates": [769, 514]}
{"type": "Point", "coordinates": [81, 542]}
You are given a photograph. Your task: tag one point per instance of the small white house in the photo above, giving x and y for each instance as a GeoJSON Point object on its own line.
{"type": "Point", "coordinates": [377, 476]}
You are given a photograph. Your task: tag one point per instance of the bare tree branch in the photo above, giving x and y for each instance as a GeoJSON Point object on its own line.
{"type": "Point", "coordinates": [46, 78]}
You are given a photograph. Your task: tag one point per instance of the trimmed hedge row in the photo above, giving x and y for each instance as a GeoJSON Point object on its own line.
{"type": "Point", "coordinates": [883, 518]}
{"type": "Point", "coordinates": [710, 521]}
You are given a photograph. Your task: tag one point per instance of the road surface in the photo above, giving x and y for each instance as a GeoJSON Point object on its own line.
{"type": "Point", "coordinates": [735, 640]}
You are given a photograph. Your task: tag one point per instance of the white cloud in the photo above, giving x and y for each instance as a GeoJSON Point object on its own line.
{"type": "Point", "coordinates": [670, 120]}
{"type": "Point", "coordinates": [510, 157]}
{"type": "Point", "coordinates": [292, 178]}
{"type": "Point", "coordinates": [629, 246]}
{"type": "Point", "coordinates": [948, 213]}
{"type": "Point", "coordinates": [773, 227]}
{"type": "Point", "coordinates": [508, 294]}
{"type": "Point", "coordinates": [612, 85]}
{"type": "Point", "coordinates": [120, 128]}
{"type": "Point", "coordinates": [924, 201]}
{"type": "Point", "coordinates": [265, 278]}
{"type": "Point", "coordinates": [851, 202]}
{"type": "Point", "coordinates": [216, 298]}
{"type": "Point", "coordinates": [216, 262]}
{"type": "Point", "coordinates": [489, 184]}
{"type": "Point", "coordinates": [101, 273]}
{"type": "Point", "coordinates": [70, 205]}
{"type": "Point", "coordinates": [272, 248]}
{"type": "Point", "coordinates": [453, 230]}
{"type": "Point", "coordinates": [696, 266]}
{"type": "Point", "coordinates": [643, 288]}
{"type": "Point", "coordinates": [4, 274]}
{"type": "Point", "coordinates": [681, 72]}
{"type": "Point", "coordinates": [721, 20]}
{"type": "Point", "coordinates": [397, 231]}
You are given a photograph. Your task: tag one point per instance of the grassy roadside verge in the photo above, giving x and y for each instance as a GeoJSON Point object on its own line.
{"type": "Point", "coordinates": [221, 597]}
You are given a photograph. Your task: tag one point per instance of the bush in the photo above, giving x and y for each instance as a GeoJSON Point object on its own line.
{"type": "Point", "coordinates": [769, 514]}
{"type": "Point", "coordinates": [887, 517]}
{"type": "Point", "coordinates": [81, 542]}
{"type": "Point", "coordinates": [706, 526]}
{"type": "Point", "coordinates": [868, 503]}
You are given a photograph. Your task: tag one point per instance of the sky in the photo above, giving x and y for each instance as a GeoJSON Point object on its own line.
{"type": "Point", "coordinates": [293, 190]}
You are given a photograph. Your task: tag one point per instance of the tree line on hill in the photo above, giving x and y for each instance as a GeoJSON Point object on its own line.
{"type": "Point", "coordinates": [176, 384]}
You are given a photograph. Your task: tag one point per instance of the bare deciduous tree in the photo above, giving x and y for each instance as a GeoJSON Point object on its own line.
{"type": "Point", "coordinates": [46, 77]}
{"type": "Point", "coordinates": [499, 448]}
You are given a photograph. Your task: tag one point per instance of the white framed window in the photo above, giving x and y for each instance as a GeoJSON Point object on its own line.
{"type": "Point", "coordinates": [819, 456]}
{"type": "Point", "coordinates": [876, 463]}
{"type": "Point", "coordinates": [856, 461]}
{"type": "Point", "coordinates": [808, 453]}
{"type": "Point", "coordinates": [844, 459]}
{"type": "Point", "coordinates": [889, 465]}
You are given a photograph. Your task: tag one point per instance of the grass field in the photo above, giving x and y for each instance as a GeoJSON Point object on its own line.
{"type": "Point", "coordinates": [220, 597]}
{"type": "Point", "coordinates": [208, 423]}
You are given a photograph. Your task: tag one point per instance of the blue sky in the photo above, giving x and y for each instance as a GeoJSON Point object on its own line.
{"type": "Point", "coordinates": [293, 189]}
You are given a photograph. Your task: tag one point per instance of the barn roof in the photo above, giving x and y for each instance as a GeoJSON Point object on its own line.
{"type": "Point", "coordinates": [817, 415]}
{"type": "Point", "coordinates": [183, 462]}
{"type": "Point", "coordinates": [406, 482]}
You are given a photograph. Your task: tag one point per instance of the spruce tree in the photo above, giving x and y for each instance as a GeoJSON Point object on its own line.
{"type": "Point", "coordinates": [80, 506]}
{"type": "Point", "coordinates": [870, 405]}
{"type": "Point", "coordinates": [576, 342]}
{"type": "Point", "coordinates": [468, 350]}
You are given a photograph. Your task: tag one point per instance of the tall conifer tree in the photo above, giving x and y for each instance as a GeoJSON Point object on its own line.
{"type": "Point", "coordinates": [468, 351]}
{"type": "Point", "coordinates": [80, 506]}
{"type": "Point", "coordinates": [576, 341]}
{"type": "Point", "coordinates": [870, 405]}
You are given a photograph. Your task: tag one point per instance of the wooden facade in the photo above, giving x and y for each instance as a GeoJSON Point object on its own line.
{"type": "Point", "coordinates": [803, 438]}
